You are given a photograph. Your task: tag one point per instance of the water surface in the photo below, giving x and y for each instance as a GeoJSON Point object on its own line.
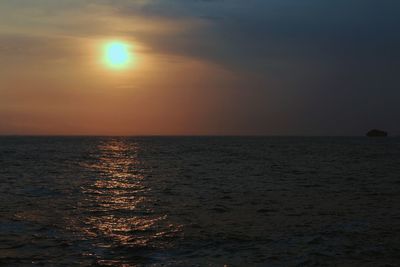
{"type": "Point", "coordinates": [199, 201]}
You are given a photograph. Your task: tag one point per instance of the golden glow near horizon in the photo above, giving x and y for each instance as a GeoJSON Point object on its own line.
{"type": "Point", "coordinates": [118, 55]}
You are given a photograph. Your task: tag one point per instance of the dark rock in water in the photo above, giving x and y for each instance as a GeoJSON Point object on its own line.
{"type": "Point", "coordinates": [377, 133]}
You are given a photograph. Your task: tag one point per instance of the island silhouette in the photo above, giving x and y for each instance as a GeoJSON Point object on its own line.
{"type": "Point", "coordinates": [377, 133]}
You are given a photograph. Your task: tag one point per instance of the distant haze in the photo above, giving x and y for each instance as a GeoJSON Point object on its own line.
{"type": "Point", "coordinates": [237, 67]}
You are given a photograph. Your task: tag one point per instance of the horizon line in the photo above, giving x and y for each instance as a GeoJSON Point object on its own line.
{"type": "Point", "coordinates": [181, 135]}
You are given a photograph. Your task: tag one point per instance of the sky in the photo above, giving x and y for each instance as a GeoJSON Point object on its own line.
{"type": "Point", "coordinates": [200, 67]}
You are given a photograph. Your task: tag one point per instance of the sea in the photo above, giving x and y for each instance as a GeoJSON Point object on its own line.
{"type": "Point", "coordinates": [199, 201]}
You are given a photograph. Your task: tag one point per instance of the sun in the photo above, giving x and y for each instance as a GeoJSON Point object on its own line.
{"type": "Point", "coordinates": [117, 54]}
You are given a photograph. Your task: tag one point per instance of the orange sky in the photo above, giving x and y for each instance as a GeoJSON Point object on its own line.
{"type": "Point", "coordinates": [53, 80]}
{"type": "Point", "coordinates": [200, 67]}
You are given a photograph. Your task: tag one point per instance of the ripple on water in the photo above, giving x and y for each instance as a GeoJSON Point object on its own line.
{"type": "Point", "coordinates": [199, 201]}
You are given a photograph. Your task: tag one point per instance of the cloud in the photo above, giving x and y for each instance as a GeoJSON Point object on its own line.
{"type": "Point", "coordinates": [320, 62]}
{"type": "Point", "coordinates": [269, 35]}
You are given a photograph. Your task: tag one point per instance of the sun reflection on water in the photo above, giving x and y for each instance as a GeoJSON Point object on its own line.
{"type": "Point", "coordinates": [120, 206]}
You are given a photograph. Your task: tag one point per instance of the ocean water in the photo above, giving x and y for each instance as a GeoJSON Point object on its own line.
{"type": "Point", "coordinates": [199, 201]}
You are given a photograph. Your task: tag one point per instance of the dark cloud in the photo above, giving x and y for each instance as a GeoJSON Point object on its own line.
{"type": "Point", "coordinates": [342, 55]}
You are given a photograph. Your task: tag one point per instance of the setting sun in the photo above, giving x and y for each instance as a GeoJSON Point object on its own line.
{"type": "Point", "coordinates": [117, 54]}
